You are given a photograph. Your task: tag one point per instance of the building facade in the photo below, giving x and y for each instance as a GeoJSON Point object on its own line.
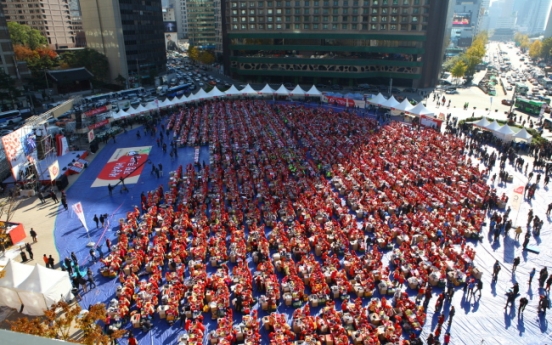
{"type": "Point", "coordinates": [129, 33]}
{"type": "Point", "coordinates": [336, 41]}
{"type": "Point", "coordinates": [465, 21]}
{"type": "Point", "coordinates": [201, 23]}
{"type": "Point", "coordinates": [181, 17]}
{"type": "Point", "coordinates": [532, 15]}
{"type": "Point", "coordinates": [168, 14]}
{"type": "Point", "coordinates": [51, 17]}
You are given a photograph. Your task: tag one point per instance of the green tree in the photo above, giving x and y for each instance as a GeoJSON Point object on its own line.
{"type": "Point", "coordinates": [120, 80]}
{"type": "Point", "coordinates": [546, 47]}
{"type": "Point", "coordinates": [27, 36]}
{"type": "Point", "coordinates": [459, 70]}
{"type": "Point", "coordinates": [93, 60]}
{"type": "Point", "coordinates": [206, 57]}
{"type": "Point", "coordinates": [535, 49]}
{"type": "Point", "coordinates": [193, 53]}
{"type": "Point", "coordinates": [451, 62]}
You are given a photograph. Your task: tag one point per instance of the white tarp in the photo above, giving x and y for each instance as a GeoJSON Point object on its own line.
{"type": "Point", "coordinates": [201, 94]}
{"type": "Point", "coordinates": [297, 92]}
{"type": "Point", "coordinates": [282, 91]}
{"type": "Point", "coordinates": [313, 92]}
{"type": "Point", "coordinates": [42, 288]}
{"type": "Point", "coordinates": [404, 105]}
{"type": "Point", "coordinates": [420, 109]}
{"type": "Point", "coordinates": [524, 135]}
{"type": "Point", "coordinates": [494, 126]}
{"type": "Point", "coordinates": [12, 275]}
{"type": "Point", "coordinates": [216, 93]}
{"type": "Point", "coordinates": [266, 91]}
{"type": "Point", "coordinates": [248, 91]}
{"type": "Point", "coordinates": [482, 123]}
{"type": "Point", "coordinates": [505, 133]}
{"type": "Point", "coordinates": [378, 100]}
{"type": "Point", "coordinates": [390, 103]}
{"type": "Point", "coordinates": [232, 91]}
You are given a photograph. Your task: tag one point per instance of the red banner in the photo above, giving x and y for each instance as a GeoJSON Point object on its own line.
{"type": "Point", "coordinates": [99, 124]}
{"type": "Point", "coordinates": [126, 163]}
{"type": "Point", "coordinates": [346, 102]}
{"type": "Point", "coordinates": [97, 111]}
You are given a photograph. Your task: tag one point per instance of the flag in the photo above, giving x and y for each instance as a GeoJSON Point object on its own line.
{"type": "Point", "coordinates": [516, 198]}
{"type": "Point", "coordinates": [77, 208]}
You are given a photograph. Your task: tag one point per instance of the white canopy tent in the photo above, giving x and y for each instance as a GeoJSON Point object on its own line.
{"type": "Point", "coordinates": [378, 100]}
{"type": "Point", "coordinates": [42, 288]}
{"type": "Point", "coordinates": [282, 91]}
{"type": "Point", "coordinates": [151, 105]}
{"type": "Point", "coordinates": [216, 93]}
{"type": "Point", "coordinates": [404, 106]}
{"type": "Point", "coordinates": [524, 135]}
{"type": "Point", "coordinates": [166, 102]}
{"type": "Point", "coordinates": [13, 274]}
{"type": "Point", "coordinates": [505, 133]}
{"type": "Point", "coordinates": [248, 91]}
{"type": "Point", "coordinates": [232, 91]}
{"type": "Point", "coordinates": [419, 110]}
{"type": "Point", "coordinates": [313, 92]}
{"type": "Point", "coordinates": [297, 92]}
{"type": "Point", "coordinates": [191, 98]}
{"type": "Point", "coordinates": [482, 123]}
{"type": "Point", "coordinates": [141, 109]}
{"type": "Point", "coordinates": [266, 91]}
{"type": "Point", "coordinates": [494, 126]}
{"type": "Point", "coordinates": [390, 103]}
{"type": "Point", "coordinates": [201, 94]}
{"type": "Point", "coordinates": [182, 99]}
{"type": "Point", "coordinates": [120, 114]}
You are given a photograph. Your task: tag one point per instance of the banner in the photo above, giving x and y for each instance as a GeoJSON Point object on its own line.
{"type": "Point", "coordinates": [345, 102]}
{"type": "Point", "coordinates": [77, 208]}
{"type": "Point", "coordinates": [62, 145]}
{"type": "Point", "coordinates": [126, 163]}
{"type": "Point", "coordinates": [20, 149]}
{"type": "Point", "coordinates": [99, 124]}
{"type": "Point", "coordinates": [103, 109]}
{"type": "Point", "coordinates": [91, 136]}
{"type": "Point", "coordinates": [516, 198]}
{"type": "Point", "coordinates": [53, 169]}
{"type": "Point", "coordinates": [430, 122]}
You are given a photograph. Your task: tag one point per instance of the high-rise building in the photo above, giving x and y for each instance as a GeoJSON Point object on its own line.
{"type": "Point", "coordinates": [336, 41]}
{"type": "Point", "coordinates": [465, 21]}
{"type": "Point", "coordinates": [201, 23]}
{"type": "Point", "coordinates": [17, 70]}
{"type": "Point", "coordinates": [168, 14]}
{"type": "Point", "coordinates": [51, 17]}
{"type": "Point", "coordinates": [531, 15]}
{"type": "Point", "coordinates": [181, 17]}
{"type": "Point", "coordinates": [129, 33]}
{"type": "Point", "coordinates": [548, 28]}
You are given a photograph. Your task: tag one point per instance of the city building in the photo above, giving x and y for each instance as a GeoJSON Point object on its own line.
{"type": "Point", "coordinates": [17, 70]}
{"type": "Point", "coordinates": [181, 17]}
{"type": "Point", "coordinates": [51, 17]}
{"type": "Point", "coordinates": [532, 15]}
{"type": "Point", "coordinates": [201, 23]}
{"type": "Point", "coordinates": [129, 33]}
{"type": "Point", "coordinates": [344, 42]}
{"type": "Point", "coordinates": [465, 21]}
{"type": "Point", "coordinates": [502, 20]}
{"type": "Point", "coordinates": [548, 28]}
{"type": "Point", "coordinates": [168, 14]}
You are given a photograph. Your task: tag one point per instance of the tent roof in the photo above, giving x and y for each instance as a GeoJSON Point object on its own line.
{"type": "Point", "coordinates": [494, 126]}
{"type": "Point", "coordinates": [404, 105]}
{"type": "Point", "coordinates": [42, 279]}
{"type": "Point", "coordinates": [215, 92]}
{"type": "Point", "coordinates": [282, 91]}
{"type": "Point", "coordinates": [523, 134]}
{"type": "Point", "coordinates": [313, 91]}
{"type": "Point", "coordinates": [201, 94]}
{"type": "Point", "coordinates": [141, 109]}
{"type": "Point", "coordinates": [298, 91]}
{"type": "Point", "coordinates": [266, 90]}
{"type": "Point", "coordinates": [248, 90]}
{"type": "Point", "coordinates": [420, 109]}
{"type": "Point", "coordinates": [506, 130]}
{"type": "Point", "coordinates": [232, 91]}
{"type": "Point", "coordinates": [379, 99]}
{"type": "Point", "coordinates": [14, 273]}
{"type": "Point", "coordinates": [120, 114]}
{"type": "Point", "coordinates": [390, 103]}
{"type": "Point", "coordinates": [482, 123]}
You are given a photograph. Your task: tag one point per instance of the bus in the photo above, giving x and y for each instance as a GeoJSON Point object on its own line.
{"type": "Point", "coordinates": [178, 90]}
{"type": "Point", "coordinates": [546, 83]}
{"type": "Point", "coordinates": [529, 106]}
{"type": "Point", "coordinates": [522, 89]}
{"type": "Point", "coordinates": [131, 92]}
{"type": "Point", "coordinates": [102, 98]}
{"type": "Point", "coordinates": [9, 115]}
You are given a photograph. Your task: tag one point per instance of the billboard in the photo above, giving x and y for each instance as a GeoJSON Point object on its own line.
{"type": "Point", "coordinates": [461, 19]}
{"type": "Point", "coordinates": [20, 149]}
{"type": "Point", "coordinates": [170, 41]}
{"type": "Point", "coordinates": [170, 26]}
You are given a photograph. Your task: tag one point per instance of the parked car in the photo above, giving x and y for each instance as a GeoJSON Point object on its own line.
{"type": "Point", "coordinates": [321, 86]}
{"type": "Point", "coordinates": [364, 86]}
{"type": "Point", "coordinates": [337, 87]}
{"type": "Point", "coordinates": [451, 92]}
{"type": "Point", "coordinates": [409, 90]}
{"type": "Point", "coordinates": [509, 88]}
{"type": "Point", "coordinates": [395, 90]}
{"type": "Point", "coordinates": [212, 82]}
{"type": "Point", "coordinates": [507, 102]}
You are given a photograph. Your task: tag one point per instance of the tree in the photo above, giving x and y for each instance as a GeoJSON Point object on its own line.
{"type": "Point", "coordinates": [120, 80]}
{"type": "Point", "coordinates": [451, 62]}
{"type": "Point", "coordinates": [193, 53]}
{"type": "Point", "coordinates": [8, 206]}
{"type": "Point", "coordinates": [459, 70]}
{"type": "Point", "coordinates": [206, 57]}
{"type": "Point", "coordinates": [535, 50]}
{"type": "Point", "coordinates": [546, 47]}
{"type": "Point", "coordinates": [27, 36]}
{"type": "Point", "coordinates": [94, 61]}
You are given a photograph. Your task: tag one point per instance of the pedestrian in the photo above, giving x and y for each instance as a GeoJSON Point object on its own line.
{"type": "Point", "coordinates": [93, 255]}
{"type": "Point", "coordinates": [447, 339]}
{"type": "Point", "coordinates": [543, 304]}
{"type": "Point", "coordinates": [531, 275]}
{"type": "Point", "coordinates": [549, 208]}
{"type": "Point", "coordinates": [548, 283]}
{"type": "Point", "coordinates": [525, 242]}
{"type": "Point", "coordinates": [131, 339]}
{"type": "Point", "coordinates": [41, 197]}
{"type": "Point", "coordinates": [510, 299]}
{"type": "Point", "coordinates": [90, 279]}
{"type": "Point", "coordinates": [517, 260]}
{"type": "Point", "coordinates": [110, 189]}
{"type": "Point", "coordinates": [518, 232]}
{"type": "Point", "coordinates": [64, 203]}
{"type": "Point", "coordinates": [496, 269]}
{"type": "Point", "coordinates": [46, 262]}
{"type": "Point", "coordinates": [29, 250]}
{"type": "Point", "coordinates": [522, 304]}
{"type": "Point", "coordinates": [102, 220]}
{"type": "Point", "coordinates": [452, 311]}
{"type": "Point", "coordinates": [33, 235]}
{"type": "Point", "coordinates": [164, 148]}
{"type": "Point", "coordinates": [96, 220]}
{"type": "Point", "coordinates": [160, 168]}
{"type": "Point", "coordinates": [471, 286]}
{"type": "Point", "coordinates": [51, 261]}
{"type": "Point", "coordinates": [68, 265]}
{"type": "Point", "coordinates": [74, 259]}
{"type": "Point", "coordinates": [156, 171]}
{"type": "Point", "coordinates": [54, 197]}
{"type": "Point", "coordinates": [479, 287]}
{"type": "Point", "coordinates": [108, 244]}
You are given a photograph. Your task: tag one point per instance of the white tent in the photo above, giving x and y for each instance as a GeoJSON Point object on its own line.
{"type": "Point", "coordinates": [232, 91]}
{"type": "Point", "coordinates": [216, 93]}
{"type": "Point", "coordinates": [494, 126]}
{"type": "Point", "coordinates": [266, 91]}
{"type": "Point", "coordinates": [404, 106]}
{"type": "Point", "coordinates": [248, 91]}
{"type": "Point", "coordinates": [120, 114]}
{"type": "Point", "coordinates": [192, 98]}
{"type": "Point", "coordinates": [282, 91]}
{"type": "Point", "coordinates": [313, 92]}
{"type": "Point", "coordinates": [505, 133]}
{"type": "Point", "coordinates": [482, 123]}
{"type": "Point", "coordinates": [378, 100]}
{"type": "Point", "coordinates": [141, 109]}
{"type": "Point", "coordinates": [166, 102]}
{"type": "Point", "coordinates": [12, 275]}
{"type": "Point", "coordinates": [297, 92]}
{"type": "Point", "coordinates": [201, 94]}
{"type": "Point", "coordinates": [151, 105]}
{"type": "Point", "coordinates": [390, 103]}
{"type": "Point", "coordinates": [42, 288]}
{"type": "Point", "coordinates": [524, 135]}
{"type": "Point", "coordinates": [420, 109]}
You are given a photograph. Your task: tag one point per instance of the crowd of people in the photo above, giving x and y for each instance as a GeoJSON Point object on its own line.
{"type": "Point", "coordinates": [297, 207]}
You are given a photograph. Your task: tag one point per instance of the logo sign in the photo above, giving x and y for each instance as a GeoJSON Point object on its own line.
{"type": "Point", "coordinates": [103, 109]}
{"type": "Point", "coordinates": [77, 208]}
{"type": "Point", "coordinates": [91, 136]}
{"type": "Point", "coordinates": [53, 169]}
{"type": "Point", "coordinates": [99, 124]}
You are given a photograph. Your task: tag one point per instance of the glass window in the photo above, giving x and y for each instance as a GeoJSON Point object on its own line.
{"type": "Point", "coordinates": [243, 12]}
{"type": "Point", "coordinates": [251, 12]}
{"type": "Point", "coordinates": [406, 2]}
{"type": "Point", "coordinates": [355, 19]}
{"type": "Point", "coordinates": [306, 18]}
{"type": "Point", "coordinates": [269, 3]}
{"type": "Point", "coordinates": [315, 26]}
{"type": "Point", "coordinates": [288, 11]}
{"type": "Point", "coordinates": [260, 4]}
{"type": "Point", "coordinates": [269, 11]}
{"type": "Point", "coordinates": [385, 2]}
{"type": "Point", "coordinates": [234, 12]}
{"type": "Point", "coordinates": [325, 26]}
{"type": "Point", "coordinates": [261, 12]}
{"type": "Point", "coordinates": [366, 3]}
{"type": "Point", "coordinates": [345, 18]}
{"type": "Point", "coordinates": [234, 4]}
{"type": "Point", "coordinates": [383, 26]}
{"type": "Point", "coordinates": [374, 19]}
{"type": "Point", "coordinates": [252, 26]}
{"type": "Point", "coordinates": [288, 19]}
{"type": "Point", "coordinates": [404, 27]}
{"type": "Point", "coordinates": [394, 10]}
{"type": "Point", "coordinates": [326, 3]}
{"type": "Point", "coordinates": [335, 19]}
{"type": "Point", "coordinates": [345, 3]}
{"type": "Point", "coordinates": [261, 26]}
{"type": "Point", "coordinates": [375, 2]}
{"type": "Point", "coordinates": [297, 26]}
{"type": "Point", "coordinates": [325, 18]}
{"type": "Point", "coordinates": [288, 26]}
{"type": "Point", "coordinates": [243, 19]}
{"type": "Point", "coordinates": [354, 26]}
{"type": "Point", "coordinates": [278, 19]}
{"type": "Point", "coordinates": [404, 19]}
{"type": "Point", "coordinates": [235, 27]}
{"type": "Point", "coordinates": [394, 19]}
{"type": "Point", "coordinates": [269, 19]}
{"type": "Point", "coordinates": [344, 26]}
{"type": "Point", "coordinates": [316, 11]}
{"type": "Point", "coordinates": [244, 27]}
{"type": "Point", "coordinates": [336, 3]}
{"type": "Point", "coordinates": [405, 11]}
{"type": "Point", "coordinates": [305, 26]}
{"type": "Point", "coordinates": [395, 2]}
{"type": "Point", "coordinates": [234, 19]}
{"type": "Point", "coordinates": [288, 3]}
{"type": "Point", "coordinates": [278, 4]}
{"type": "Point", "coordinates": [415, 19]}
{"type": "Point", "coordinates": [279, 11]}
{"type": "Point", "coordinates": [384, 11]}
{"type": "Point", "coordinates": [316, 19]}
{"type": "Point", "coordinates": [413, 27]}
{"type": "Point", "coordinates": [355, 10]}
{"type": "Point", "coordinates": [252, 4]}
{"type": "Point", "coordinates": [345, 11]}
{"type": "Point", "coordinates": [269, 26]}
{"type": "Point", "coordinates": [335, 11]}
{"type": "Point", "coordinates": [307, 3]}
{"type": "Point", "coordinates": [316, 3]}
{"type": "Point", "coordinates": [373, 27]}
{"type": "Point", "coordinates": [334, 26]}
{"type": "Point", "coordinates": [251, 19]}
{"type": "Point", "coordinates": [355, 3]}
{"type": "Point", "coordinates": [383, 19]}
{"type": "Point", "coordinates": [243, 4]}
{"type": "Point", "coordinates": [297, 3]}
{"type": "Point", "coordinates": [392, 27]}
{"type": "Point", "coordinates": [297, 11]}
{"type": "Point", "coordinates": [297, 18]}
{"type": "Point", "coordinates": [415, 10]}
{"type": "Point", "coordinates": [306, 11]}
{"type": "Point", "coordinates": [416, 2]}
{"type": "Point", "coordinates": [278, 26]}
{"type": "Point", "coordinates": [374, 11]}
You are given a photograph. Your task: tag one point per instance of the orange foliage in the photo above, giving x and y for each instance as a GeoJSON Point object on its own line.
{"type": "Point", "coordinates": [42, 52]}
{"type": "Point", "coordinates": [24, 53]}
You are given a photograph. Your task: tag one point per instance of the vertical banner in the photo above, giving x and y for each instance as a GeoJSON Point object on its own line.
{"type": "Point", "coordinates": [53, 169]}
{"type": "Point", "coordinates": [91, 136]}
{"type": "Point", "coordinates": [516, 198]}
{"type": "Point", "coordinates": [77, 208]}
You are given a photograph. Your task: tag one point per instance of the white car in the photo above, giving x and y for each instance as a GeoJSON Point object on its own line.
{"type": "Point", "coordinates": [201, 83]}
{"type": "Point", "coordinates": [509, 88]}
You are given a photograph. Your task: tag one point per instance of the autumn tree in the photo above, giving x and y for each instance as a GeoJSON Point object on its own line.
{"type": "Point", "coordinates": [546, 48]}
{"type": "Point", "coordinates": [459, 70]}
{"type": "Point", "coordinates": [193, 53]}
{"type": "Point", "coordinates": [26, 36]}
{"type": "Point", "coordinates": [206, 57]}
{"type": "Point", "coordinates": [535, 49]}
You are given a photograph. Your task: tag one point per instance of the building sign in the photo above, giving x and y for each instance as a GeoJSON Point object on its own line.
{"type": "Point", "coordinates": [461, 19]}
{"type": "Point", "coordinates": [125, 163]}
{"type": "Point", "coordinates": [170, 26]}
{"type": "Point", "coordinates": [99, 124]}
{"type": "Point", "coordinates": [103, 109]}
{"type": "Point", "coordinates": [170, 41]}
{"type": "Point", "coordinates": [53, 169]}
